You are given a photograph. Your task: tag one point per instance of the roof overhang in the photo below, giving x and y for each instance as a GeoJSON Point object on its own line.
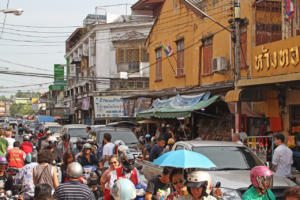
{"type": "Point", "coordinates": [147, 4]}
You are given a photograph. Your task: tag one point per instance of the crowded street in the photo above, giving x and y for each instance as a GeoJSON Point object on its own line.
{"type": "Point", "coordinates": [150, 100]}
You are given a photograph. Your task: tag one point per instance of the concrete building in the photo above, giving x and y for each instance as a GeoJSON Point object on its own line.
{"type": "Point", "coordinates": [105, 57]}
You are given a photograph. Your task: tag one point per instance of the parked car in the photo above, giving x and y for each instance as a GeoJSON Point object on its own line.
{"type": "Point", "coordinates": [124, 134]}
{"type": "Point", "coordinates": [233, 164]}
{"type": "Point", "coordinates": [76, 131]}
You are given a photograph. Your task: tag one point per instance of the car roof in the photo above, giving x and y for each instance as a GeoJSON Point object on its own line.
{"type": "Point", "coordinates": [109, 128]}
{"type": "Point", "coordinates": [75, 126]}
{"type": "Point", "coordinates": [196, 143]}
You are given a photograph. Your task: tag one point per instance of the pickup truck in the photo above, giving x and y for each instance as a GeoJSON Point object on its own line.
{"type": "Point", "coordinates": [233, 164]}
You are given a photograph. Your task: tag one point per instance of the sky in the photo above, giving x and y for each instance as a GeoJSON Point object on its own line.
{"type": "Point", "coordinates": [39, 47]}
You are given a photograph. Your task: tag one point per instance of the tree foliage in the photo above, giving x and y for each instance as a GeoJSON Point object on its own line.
{"type": "Point", "coordinates": [23, 109]}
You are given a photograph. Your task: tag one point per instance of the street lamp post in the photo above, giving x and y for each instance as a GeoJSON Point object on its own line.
{"type": "Point", "coordinates": [16, 11]}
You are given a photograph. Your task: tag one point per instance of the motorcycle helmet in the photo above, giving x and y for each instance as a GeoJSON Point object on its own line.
{"type": "Point", "coordinates": [74, 170]}
{"type": "Point", "coordinates": [26, 138]}
{"type": "Point", "coordinates": [127, 160]}
{"type": "Point", "coordinates": [261, 178]}
{"type": "Point", "coordinates": [87, 146]}
{"type": "Point", "coordinates": [119, 143]}
{"type": "Point", "coordinates": [66, 136]}
{"type": "Point", "coordinates": [123, 189]}
{"type": "Point", "coordinates": [197, 179]}
{"type": "Point", "coordinates": [3, 161]}
{"type": "Point", "coordinates": [147, 135]}
{"type": "Point", "coordinates": [49, 132]}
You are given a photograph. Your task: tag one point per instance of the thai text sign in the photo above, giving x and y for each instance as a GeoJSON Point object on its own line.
{"type": "Point", "coordinates": [281, 57]}
{"type": "Point", "coordinates": [108, 106]}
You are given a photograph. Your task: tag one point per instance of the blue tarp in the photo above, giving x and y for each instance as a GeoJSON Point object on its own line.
{"type": "Point", "coordinates": [43, 119]}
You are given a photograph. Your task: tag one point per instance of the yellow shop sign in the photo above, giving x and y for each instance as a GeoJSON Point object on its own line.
{"type": "Point", "coordinates": [276, 58]}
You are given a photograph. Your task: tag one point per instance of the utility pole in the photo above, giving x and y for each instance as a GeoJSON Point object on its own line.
{"type": "Point", "coordinates": [237, 61]}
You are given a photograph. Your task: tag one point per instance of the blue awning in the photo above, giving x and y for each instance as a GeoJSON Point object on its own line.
{"type": "Point", "coordinates": [44, 119]}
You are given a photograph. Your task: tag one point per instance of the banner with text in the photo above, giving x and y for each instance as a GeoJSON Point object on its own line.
{"type": "Point", "coordinates": [108, 107]}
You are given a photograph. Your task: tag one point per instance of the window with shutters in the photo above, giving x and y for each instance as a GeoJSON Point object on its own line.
{"type": "Point", "coordinates": [268, 21]}
{"type": "Point", "coordinates": [244, 48]}
{"type": "Point", "coordinates": [207, 56]}
{"type": "Point", "coordinates": [125, 55]}
{"type": "Point", "coordinates": [158, 64]}
{"type": "Point", "coordinates": [180, 58]}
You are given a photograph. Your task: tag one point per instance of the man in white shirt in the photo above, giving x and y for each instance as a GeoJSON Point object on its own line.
{"type": "Point", "coordinates": [282, 158]}
{"type": "Point", "coordinates": [108, 149]}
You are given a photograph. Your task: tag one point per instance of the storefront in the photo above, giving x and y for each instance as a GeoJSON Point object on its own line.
{"type": "Point", "coordinates": [274, 87]}
{"type": "Point", "coordinates": [191, 116]}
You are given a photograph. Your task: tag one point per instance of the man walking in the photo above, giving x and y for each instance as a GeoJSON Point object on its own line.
{"type": "Point", "coordinates": [283, 157]}
{"type": "Point", "coordinates": [108, 149]}
{"type": "Point", "coordinates": [73, 189]}
{"type": "Point", "coordinates": [157, 149]}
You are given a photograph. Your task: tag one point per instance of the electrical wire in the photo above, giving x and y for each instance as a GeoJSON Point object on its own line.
{"type": "Point", "coordinates": [33, 41]}
{"type": "Point", "coordinates": [22, 65]}
{"type": "Point", "coordinates": [32, 45]}
{"type": "Point", "coordinates": [33, 31]}
{"type": "Point", "coordinates": [33, 53]}
{"type": "Point", "coordinates": [46, 27]}
{"type": "Point", "coordinates": [21, 86]}
{"type": "Point", "coordinates": [36, 36]}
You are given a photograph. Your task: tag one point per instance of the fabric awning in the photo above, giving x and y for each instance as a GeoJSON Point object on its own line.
{"type": "Point", "coordinates": [171, 111]}
{"type": "Point", "coordinates": [233, 95]}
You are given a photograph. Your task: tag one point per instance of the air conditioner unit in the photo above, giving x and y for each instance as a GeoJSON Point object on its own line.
{"type": "Point", "coordinates": [219, 64]}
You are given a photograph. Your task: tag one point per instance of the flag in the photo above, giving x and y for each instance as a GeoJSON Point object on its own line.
{"type": "Point", "coordinates": [289, 8]}
{"type": "Point", "coordinates": [168, 50]}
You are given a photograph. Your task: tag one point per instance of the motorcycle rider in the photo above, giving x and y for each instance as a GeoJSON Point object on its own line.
{"type": "Point", "coordinates": [45, 142]}
{"type": "Point", "coordinates": [79, 145]}
{"type": "Point", "coordinates": [199, 186]}
{"type": "Point", "coordinates": [25, 178]}
{"type": "Point", "coordinates": [86, 157]}
{"type": "Point", "coordinates": [65, 145]}
{"type": "Point", "coordinates": [127, 169]}
{"type": "Point", "coordinates": [123, 189]}
{"type": "Point", "coordinates": [26, 145]}
{"type": "Point", "coordinates": [16, 156]}
{"type": "Point", "coordinates": [6, 180]}
{"type": "Point", "coordinates": [73, 189]}
{"type": "Point", "coordinates": [262, 182]}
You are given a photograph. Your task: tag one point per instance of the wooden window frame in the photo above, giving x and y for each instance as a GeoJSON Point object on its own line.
{"type": "Point", "coordinates": [207, 69]}
{"type": "Point", "coordinates": [180, 72]}
{"type": "Point", "coordinates": [158, 67]}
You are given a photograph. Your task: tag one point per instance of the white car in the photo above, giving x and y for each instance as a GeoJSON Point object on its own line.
{"type": "Point", "coordinates": [76, 131]}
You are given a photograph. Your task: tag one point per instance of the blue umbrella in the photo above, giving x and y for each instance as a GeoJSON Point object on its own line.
{"type": "Point", "coordinates": [184, 159]}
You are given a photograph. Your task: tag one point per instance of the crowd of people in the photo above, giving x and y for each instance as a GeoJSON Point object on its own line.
{"type": "Point", "coordinates": [56, 170]}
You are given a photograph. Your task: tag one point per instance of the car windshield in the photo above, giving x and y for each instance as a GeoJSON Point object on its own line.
{"type": "Point", "coordinates": [126, 136]}
{"type": "Point", "coordinates": [230, 158]}
{"type": "Point", "coordinates": [54, 129]}
{"type": "Point", "coordinates": [77, 132]}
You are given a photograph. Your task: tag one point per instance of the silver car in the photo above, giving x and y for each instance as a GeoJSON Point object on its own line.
{"type": "Point", "coordinates": [233, 164]}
